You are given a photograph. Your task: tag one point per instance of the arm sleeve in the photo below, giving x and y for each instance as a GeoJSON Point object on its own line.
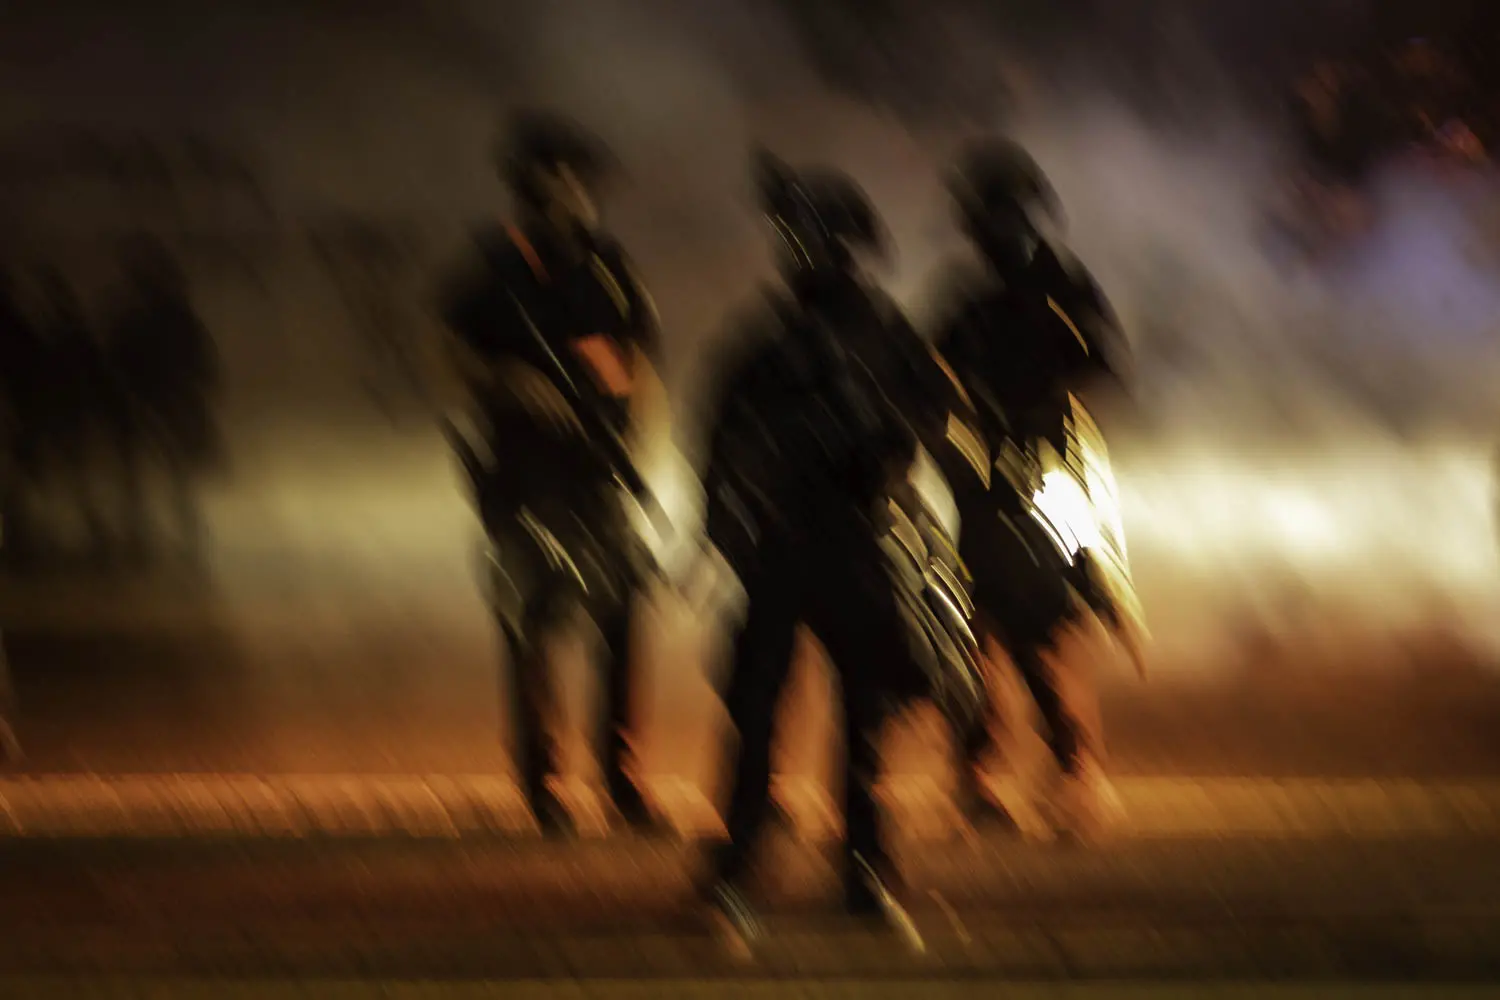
{"type": "Point", "coordinates": [1092, 316]}
{"type": "Point", "coordinates": [1109, 350]}
{"type": "Point", "coordinates": [734, 505]}
{"type": "Point", "coordinates": [933, 393]}
{"type": "Point", "coordinates": [645, 321]}
{"type": "Point", "coordinates": [473, 303]}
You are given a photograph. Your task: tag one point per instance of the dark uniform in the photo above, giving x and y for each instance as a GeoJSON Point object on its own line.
{"type": "Point", "coordinates": [555, 319]}
{"type": "Point", "coordinates": [1036, 330]}
{"type": "Point", "coordinates": [818, 419]}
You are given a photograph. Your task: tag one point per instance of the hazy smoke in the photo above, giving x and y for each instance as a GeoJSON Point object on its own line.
{"type": "Point", "coordinates": [389, 108]}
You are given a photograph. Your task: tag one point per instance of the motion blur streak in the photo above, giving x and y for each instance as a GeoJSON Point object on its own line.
{"type": "Point", "coordinates": [1313, 443]}
{"type": "Point", "coordinates": [1374, 542]}
{"type": "Point", "coordinates": [1371, 541]}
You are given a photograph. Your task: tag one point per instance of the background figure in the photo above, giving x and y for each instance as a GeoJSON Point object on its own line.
{"type": "Point", "coordinates": [23, 384]}
{"type": "Point", "coordinates": [14, 348]}
{"type": "Point", "coordinates": [166, 378]}
{"type": "Point", "coordinates": [560, 334]}
{"type": "Point", "coordinates": [76, 379]}
{"type": "Point", "coordinates": [10, 744]}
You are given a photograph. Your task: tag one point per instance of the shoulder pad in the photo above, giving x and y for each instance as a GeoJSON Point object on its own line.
{"type": "Point", "coordinates": [612, 255]}
{"type": "Point", "coordinates": [622, 267]}
{"type": "Point", "coordinates": [609, 249]}
{"type": "Point", "coordinates": [1072, 286]}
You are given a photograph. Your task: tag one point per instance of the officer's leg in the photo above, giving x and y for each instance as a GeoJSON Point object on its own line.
{"type": "Point", "coordinates": [134, 441]}
{"type": "Point", "coordinates": [976, 746]}
{"type": "Point", "coordinates": [10, 745]}
{"type": "Point", "coordinates": [620, 628]}
{"type": "Point", "coordinates": [17, 543]}
{"type": "Point", "coordinates": [1042, 683]}
{"type": "Point", "coordinates": [531, 605]}
{"type": "Point", "coordinates": [989, 554]}
{"type": "Point", "coordinates": [1083, 804]}
{"type": "Point", "coordinates": [863, 720]}
{"type": "Point", "coordinates": [857, 617]}
{"type": "Point", "coordinates": [861, 636]}
{"type": "Point", "coordinates": [761, 654]}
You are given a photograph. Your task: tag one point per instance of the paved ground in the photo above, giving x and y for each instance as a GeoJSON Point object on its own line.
{"type": "Point", "coordinates": [711, 989]}
{"type": "Point", "coordinates": [290, 789]}
{"type": "Point", "coordinates": [1240, 908]}
{"type": "Point", "coordinates": [453, 807]}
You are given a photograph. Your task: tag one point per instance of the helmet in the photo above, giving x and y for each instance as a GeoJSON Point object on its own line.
{"type": "Point", "coordinates": [821, 215]}
{"type": "Point", "coordinates": [534, 142]}
{"type": "Point", "coordinates": [1001, 194]}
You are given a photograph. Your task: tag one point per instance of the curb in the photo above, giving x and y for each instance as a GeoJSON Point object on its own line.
{"type": "Point", "coordinates": [715, 989]}
{"type": "Point", "coordinates": [168, 806]}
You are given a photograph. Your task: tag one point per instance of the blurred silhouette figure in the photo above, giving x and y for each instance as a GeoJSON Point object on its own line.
{"type": "Point", "coordinates": [1343, 130]}
{"type": "Point", "coordinates": [559, 333]}
{"type": "Point", "coordinates": [1031, 334]}
{"type": "Point", "coordinates": [818, 421]}
{"type": "Point", "coordinates": [76, 376]}
{"type": "Point", "coordinates": [10, 744]}
{"type": "Point", "coordinates": [165, 378]}
{"type": "Point", "coordinates": [23, 382]}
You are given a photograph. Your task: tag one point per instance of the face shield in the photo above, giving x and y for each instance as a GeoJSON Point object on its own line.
{"type": "Point", "coordinates": [569, 199]}
{"type": "Point", "coordinates": [1004, 232]}
{"type": "Point", "coordinates": [819, 216]}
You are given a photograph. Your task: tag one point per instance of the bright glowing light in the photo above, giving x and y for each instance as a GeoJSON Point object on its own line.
{"type": "Point", "coordinates": [1370, 539]}
{"type": "Point", "coordinates": [1067, 509]}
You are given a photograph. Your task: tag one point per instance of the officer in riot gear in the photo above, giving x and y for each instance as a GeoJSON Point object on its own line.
{"type": "Point", "coordinates": [818, 417]}
{"type": "Point", "coordinates": [1030, 336]}
{"type": "Point", "coordinates": [558, 331]}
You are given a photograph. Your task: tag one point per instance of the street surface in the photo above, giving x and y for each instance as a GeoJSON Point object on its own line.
{"type": "Point", "coordinates": [484, 909]}
{"type": "Point", "coordinates": [289, 789]}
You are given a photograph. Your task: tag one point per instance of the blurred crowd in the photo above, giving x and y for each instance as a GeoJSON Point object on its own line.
{"type": "Point", "coordinates": [97, 417]}
{"type": "Point", "coordinates": [1428, 101]}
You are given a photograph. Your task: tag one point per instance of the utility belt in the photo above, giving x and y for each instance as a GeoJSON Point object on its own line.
{"type": "Point", "coordinates": [932, 589]}
{"type": "Point", "coordinates": [1019, 466]}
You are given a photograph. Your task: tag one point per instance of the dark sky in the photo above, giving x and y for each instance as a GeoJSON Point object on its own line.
{"type": "Point", "coordinates": [359, 101]}
{"type": "Point", "coordinates": [389, 105]}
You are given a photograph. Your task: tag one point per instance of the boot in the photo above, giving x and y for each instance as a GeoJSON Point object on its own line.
{"type": "Point", "coordinates": [1086, 807]}
{"type": "Point", "coordinates": [978, 805]}
{"type": "Point", "coordinates": [633, 808]}
{"type": "Point", "coordinates": [868, 895]}
{"type": "Point", "coordinates": [732, 920]}
{"type": "Point", "coordinates": [552, 817]}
